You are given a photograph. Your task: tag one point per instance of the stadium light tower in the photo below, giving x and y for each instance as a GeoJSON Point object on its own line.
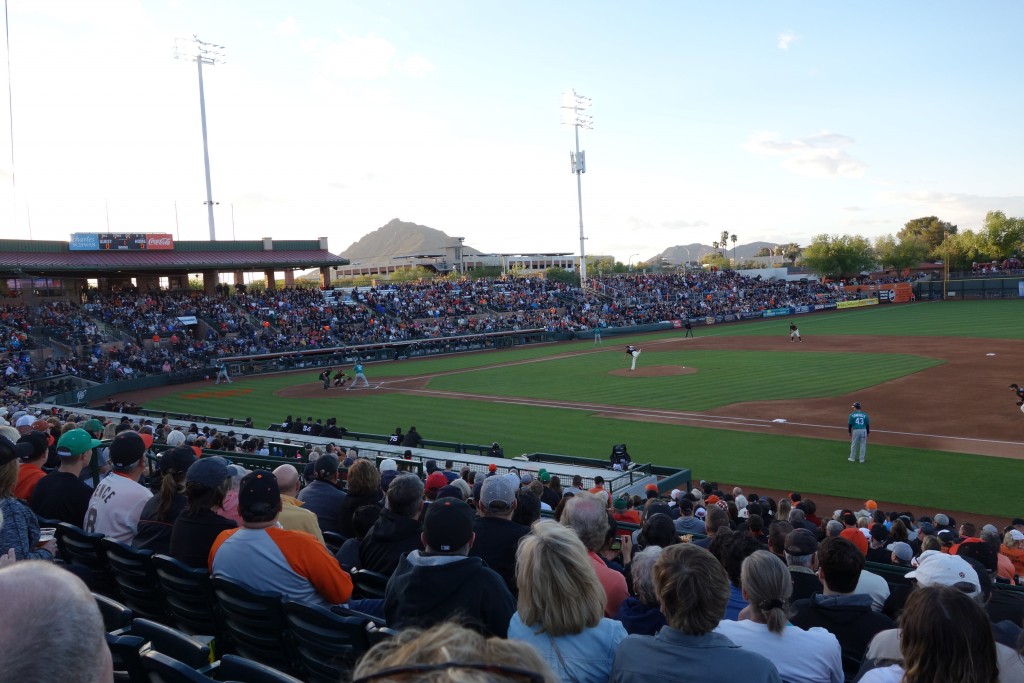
{"type": "Point", "coordinates": [574, 108]}
{"type": "Point", "coordinates": [200, 52]}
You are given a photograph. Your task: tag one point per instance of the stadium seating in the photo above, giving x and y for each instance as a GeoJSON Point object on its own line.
{"type": "Point", "coordinates": [136, 578]}
{"type": "Point", "coordinates": [78, 547]}
{"type": "Point", "coordinates": [254, 622]}
{"type": "Point", "coordinates": [326, 645]}
{"type": "Point", "coordinates": [190, 597]}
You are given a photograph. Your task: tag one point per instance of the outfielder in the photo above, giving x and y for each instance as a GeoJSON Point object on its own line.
{"type": "Point", "coordinates": [633, 353]}
{"type": "Point", "coordinates": [794, 333]}
{"type": "Point", "coordinates": [859, 426]}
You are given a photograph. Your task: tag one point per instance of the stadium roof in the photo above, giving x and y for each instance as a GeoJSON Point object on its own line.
{"type": "Point", "coordinates": [48, 258]}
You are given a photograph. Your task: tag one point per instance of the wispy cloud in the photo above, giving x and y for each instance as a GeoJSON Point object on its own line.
{"type": "Point", "coordinates": [288, 28]}
{"type": "Point", "coordinates": [822, 154]}
{"type": "Point", "coordinates": [368, 57]}
{"type": "Point", "coordinates": [682, 225]}
{"type": "Point", "coordinates": [964, 209]}
{"type": "Point", "coordinates": [786, 39]}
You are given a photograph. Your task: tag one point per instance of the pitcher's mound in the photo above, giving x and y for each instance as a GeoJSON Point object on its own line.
{"type": "Point", "coordinates": [654, 371]}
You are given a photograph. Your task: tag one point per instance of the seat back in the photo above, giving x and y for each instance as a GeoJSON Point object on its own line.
{"type": "Point", "coordinates": [115, 615]}
{"type": "Point", "coordinates": [253, 622]}
{"type": "Point", "coordinates": [79, 547]}
{"type": "Point", "coordinates": [126, 655]}
{"type": "Point", "coordinates": [164, 669]}
{"type": "Point", "coordinates": [367, 584]}
{"type": "Point", "coordinates": [172, 643]}
{"type": "Point", "coordinates": [334, 541]}
{"type": "Point", "coordinates": [136, 579]}
{"type": "Point", "coordinates": [326, 645]}
{"type": "Point", "coordinates": [232, 668]}
{"type": "Point", "coordinates": [189, 596]}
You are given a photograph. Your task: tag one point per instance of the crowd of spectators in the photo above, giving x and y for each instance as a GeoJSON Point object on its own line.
{"type": "Point", "coordinates": [110, 336]}
{"type": "Point", "coordinates": [736, 585]}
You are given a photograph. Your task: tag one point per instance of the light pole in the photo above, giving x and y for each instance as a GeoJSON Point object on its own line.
{"type": "Point", "coordinates": [630, 264]}
{"type": "Point", "coordinates": [200, 52]}
{"type": "Point", "coordinates": [574, 106]}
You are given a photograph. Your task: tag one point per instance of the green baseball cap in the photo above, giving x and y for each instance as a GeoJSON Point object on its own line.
{"type": "Point", "coordinates": [93, 425]}
{"type": "Point", "coordinates": [75, 442]}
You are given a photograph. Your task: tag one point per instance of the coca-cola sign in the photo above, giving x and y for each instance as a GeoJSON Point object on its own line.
{"type": "Point", "coordinates": [155, 241]}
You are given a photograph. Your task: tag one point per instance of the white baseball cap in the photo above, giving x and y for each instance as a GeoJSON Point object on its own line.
{"type": "Point", "coordinates": [938, 569]}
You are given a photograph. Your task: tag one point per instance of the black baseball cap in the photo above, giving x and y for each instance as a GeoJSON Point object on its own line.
{"type": "Point", "coordinates": [448, 525]}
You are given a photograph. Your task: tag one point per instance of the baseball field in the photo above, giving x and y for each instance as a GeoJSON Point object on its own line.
{"type": "Point", "coordinates": [740, 403]}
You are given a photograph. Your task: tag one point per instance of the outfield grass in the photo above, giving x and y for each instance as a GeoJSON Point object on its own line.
{"type": "Point", "coordinates": [913, 476]}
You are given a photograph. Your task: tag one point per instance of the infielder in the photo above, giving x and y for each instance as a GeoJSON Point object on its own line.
{"type": "Point", "coordinates": [794, 333]}
{"type": "Point", "coordinates": [358, 369]}
{"type": "Point", "coordinates": [1020, 395]}
{"type": "Point", "coordinates": [632, 352]}
{"type": "Point", "coordinates": [859, 426]}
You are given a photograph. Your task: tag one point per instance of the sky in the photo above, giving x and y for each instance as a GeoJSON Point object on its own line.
{"type": "Point", "coordinates": [775, 121]}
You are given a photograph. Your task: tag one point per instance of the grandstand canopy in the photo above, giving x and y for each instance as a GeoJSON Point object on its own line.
{"type": "Point", "coordinates": [56, 259]}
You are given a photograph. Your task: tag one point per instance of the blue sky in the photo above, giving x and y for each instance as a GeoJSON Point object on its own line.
{"type": "Point", "coordinates": [772, 120]}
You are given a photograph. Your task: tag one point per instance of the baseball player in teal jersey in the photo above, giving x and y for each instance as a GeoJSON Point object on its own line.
{"type": "Point", "coordinates": [358, 369]}
{"type": "Point", "coordinates": [859, 427]}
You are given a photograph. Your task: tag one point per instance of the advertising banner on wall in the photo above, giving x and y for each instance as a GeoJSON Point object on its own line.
{"type": "Point", "coordinates": [91, 241]}
{"type": "Point", "coordinates": [900, 291]}
{"type": "Point", "coordinates": [84, 241]}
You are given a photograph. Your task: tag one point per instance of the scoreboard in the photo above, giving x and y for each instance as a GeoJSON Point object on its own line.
{"type": "Point", "coordinates": [130, 242]}
{"type": "Point", "coordinates": [91, 241]}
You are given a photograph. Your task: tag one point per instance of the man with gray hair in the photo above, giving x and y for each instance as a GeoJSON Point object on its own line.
{"type": "Point", "coordinates": [642, 615]}
{"type": "Point", "coordinates": [497, 536]}
{"type": "Point", "coordinates": [834, 528]}
{"type": "Point", "coordinates": [397, 531]}
{"type": "Point", "coordinates": [587, 515]}
{"type": "Point", "coordinates": [175, 438]}
{"type": "Point", "coordinates": [51, 609]}
{"type": "Point", "coordinates": [802, 560]}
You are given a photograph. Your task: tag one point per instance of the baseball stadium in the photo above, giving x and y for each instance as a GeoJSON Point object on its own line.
{"type": "Point", "coordinates": [720, 395]}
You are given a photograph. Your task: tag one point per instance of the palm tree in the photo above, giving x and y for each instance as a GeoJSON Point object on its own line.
{"type": "Point", "coordinates": [733, 238]}
{"type": "Point", "coordinates": [714, 245]}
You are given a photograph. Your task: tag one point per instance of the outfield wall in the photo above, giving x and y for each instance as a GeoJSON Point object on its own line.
{"type": "Point", "coordinates": [987, 288]}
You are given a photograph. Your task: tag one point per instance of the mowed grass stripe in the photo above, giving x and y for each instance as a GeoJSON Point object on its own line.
{"type": "Point", "coordinates": [722, 378]}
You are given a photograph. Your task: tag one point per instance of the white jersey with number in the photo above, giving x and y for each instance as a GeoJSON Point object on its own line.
{"type": "Point", "coordinates": [115, 507]}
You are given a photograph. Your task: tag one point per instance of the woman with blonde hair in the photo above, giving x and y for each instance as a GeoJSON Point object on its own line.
{"type": "Point", "coordinates": [561, 605]}
{"type": "Point", "coordinates": [785, 506]}
{"type": "Point", "coordinates": [447, 653]}
{"type": "Point", "coordinates": [811, 656]}
{"type": "Point", "coordinates": [1013, 548]}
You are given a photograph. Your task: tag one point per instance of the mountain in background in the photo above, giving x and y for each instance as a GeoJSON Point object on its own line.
{"type": "Point", "coordinates": [398, 238]}
{"type": "Point", "coordinates": [678, 254]}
